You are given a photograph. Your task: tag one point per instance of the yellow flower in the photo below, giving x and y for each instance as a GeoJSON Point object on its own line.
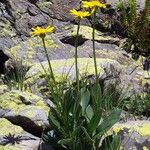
{"type": "Point", "coordinates": [39, 31]}
{"type": "Point", "coordinates": [79, 14]}
{"type": "Point", "coordinates": [94, 4]}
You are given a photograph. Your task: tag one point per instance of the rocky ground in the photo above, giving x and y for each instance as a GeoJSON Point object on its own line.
{"type": "Point", "coordinates": [23, 115]}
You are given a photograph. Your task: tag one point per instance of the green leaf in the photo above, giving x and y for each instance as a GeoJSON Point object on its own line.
{"type": "Point", "coordinates": [106, 143]}
{"type": "Point", "coordinates": [68, 102]}
{"type": "Point", "coordinates": [54, 118]}
{"type": "Point", "coordinates": [53, 121]}
{"type": "Point", "coordinates": [116, 143]}
{"type": "Point", "coordinates": [89, 113]}
{"type": "Point", "coordinates": [111, 142]}
{"type": "Point", "coordinates": [76, 131]}
{"type": "Point", "coordinates": [51, 137]}
{"type": "Point", "coordinates": [87, 134]}
{"type": "Point", "coordinates": [108, 122]}
{"type": "Point", "coordinates": [96, 94]}
{"type": "Point", "coordinates": [77, 112]}
{"type": "Point", "coordinates": [94, 122]}
{"type": "Point", "coordinates": [85, 98]}
{"type": "Point", "coordinates": [67, 141]}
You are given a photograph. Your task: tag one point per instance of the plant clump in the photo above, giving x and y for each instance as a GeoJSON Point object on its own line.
{"type": "Point", "coordinates": [80, 115]}
{"type": "Point", "coordinates": [137, 29]}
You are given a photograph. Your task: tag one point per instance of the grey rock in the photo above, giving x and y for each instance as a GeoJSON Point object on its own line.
{"type": "Point", "coordinates": [26, 110]}
{"type": "Point", "coordinates": [14, 137]}
{"type": "Point", "coordinates": [134, 134]}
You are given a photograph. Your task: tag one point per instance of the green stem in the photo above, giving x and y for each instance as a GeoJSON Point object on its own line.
{"type": "Point", "coordinates": [76, 57]}
{"type": "Point", "coordinates": [77, 78]}
{"type": "Point", "coordinates": [50, 68]}
{"type": "Point", "coordinates": [47, 57]}
{"type": "Point", "coordinates": [94, 147]}
{"type": "Point", "coordinates": [54, 86]}
{"type": "Point", "coordinates": [93, 40]}
{"type": "Point", "coordinates": [94, 56]}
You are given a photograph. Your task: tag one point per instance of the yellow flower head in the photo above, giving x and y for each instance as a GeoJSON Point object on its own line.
{"type": "Point", "coordinates": [79, 14]}
{"type": "Point", "coordinates": [39, 31]}
{"type": "Point", "coordinates": [94, 4]}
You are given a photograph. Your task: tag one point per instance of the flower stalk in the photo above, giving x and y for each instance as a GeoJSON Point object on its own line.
{"type": "Point", "coordinates": [79, 15]}
{"type": "Point", "coordinates": [76, 57]}
{"type": "Point", "coordinates": [47, 57]}
{"type": "Point", "coordinates": [95, 62]}
{"type": "Point", "coordinates": [94, 51]}
{"type": "Point", "coordinates": [93, 6]}
{"type": "Point", "coordinates": [77, 77]}
{"type": "Point", "coordinates": [41, 32]}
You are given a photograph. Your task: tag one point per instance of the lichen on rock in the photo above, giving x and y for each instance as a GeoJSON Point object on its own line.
{"type": "Point", "coordinates": [66, 68]}
{"type": "Point", "coordinates": [30, 50]}
{"type": "Point", "coordinates": [134, 134]}
{"type": "Point", "coordinates": [24, 104]}
{"type": "Point", "coordinates": [86, 33]}
{"type": "Point", "coordinates": [8, 128]}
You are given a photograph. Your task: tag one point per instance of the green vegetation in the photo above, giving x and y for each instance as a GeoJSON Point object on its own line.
{"type": "Point", "coordinates": [15, 77]}
{"type": "Point", "coordinates": [138, 105]}
{"type": "Point", "coordinates": [81, 122]}
{"type": "Point", "coordinates": [136, 25]}
{"type": "Point", "coordinates": [82, 112]}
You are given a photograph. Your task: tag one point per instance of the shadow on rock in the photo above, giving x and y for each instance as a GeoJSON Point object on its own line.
{"type": "Point", "coordinates": [3, 59]}
{"type": "Point", "coordinates": [71, 40]}
{"type": "Point", "coordinates": [11, 139]}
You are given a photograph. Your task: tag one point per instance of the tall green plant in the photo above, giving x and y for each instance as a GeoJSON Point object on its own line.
{"type": "Point", "coordinates": [91, 123]}
{"type": "Point", "coordinates": [76, 116]}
